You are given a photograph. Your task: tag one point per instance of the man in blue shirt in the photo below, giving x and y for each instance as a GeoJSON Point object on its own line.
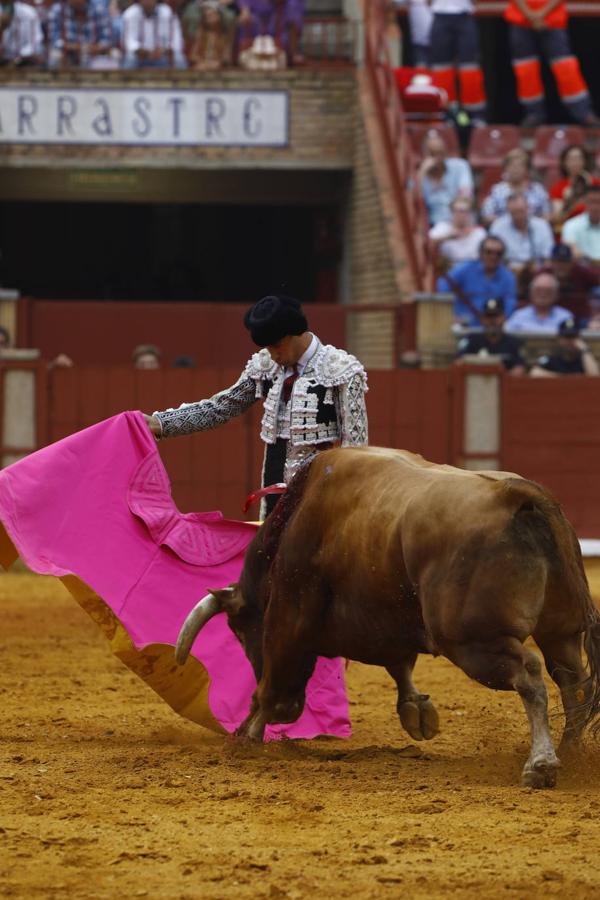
{"type": "Point", "coordinates": [542, 315]}
{"type": "Point", "coordinates": [476, 281]}
{"type": "Point", "coordinates": [78, 32]}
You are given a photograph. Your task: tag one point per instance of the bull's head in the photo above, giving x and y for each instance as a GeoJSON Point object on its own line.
{"type": "Point", "coordinates": [245, 620]}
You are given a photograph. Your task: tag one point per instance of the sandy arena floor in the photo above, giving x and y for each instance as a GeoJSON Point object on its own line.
{"type": "Point", "coordinates": [104, 792]}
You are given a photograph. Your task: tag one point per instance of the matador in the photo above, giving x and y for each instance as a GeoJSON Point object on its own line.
{"type": "Point", "coordinates": [313, 394]}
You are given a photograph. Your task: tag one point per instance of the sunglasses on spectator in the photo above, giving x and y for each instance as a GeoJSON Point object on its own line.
{"type": "Point", "coordinates": [492, 251]}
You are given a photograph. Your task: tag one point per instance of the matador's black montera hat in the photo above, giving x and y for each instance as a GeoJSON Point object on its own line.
{"type": "Point", "coordinates": [274, 317]}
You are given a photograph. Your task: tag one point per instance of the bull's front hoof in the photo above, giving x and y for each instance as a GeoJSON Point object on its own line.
{"type": "Point", "coordinates": [542, 774]}
{"type": "Point", "coordinates": [252, 728]}
{"type": "Point", "coordinates": [419, 719]}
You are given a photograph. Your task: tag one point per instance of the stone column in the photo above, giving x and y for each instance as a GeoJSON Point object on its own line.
{"type": "Point", "coordinates": [8, 311]}
{"type": "Point", "coordinates": [481, 412]}
{"type": "Point", "coordinates": [436, 343]}
{"type": "Point", "coordinates": [19, 404]}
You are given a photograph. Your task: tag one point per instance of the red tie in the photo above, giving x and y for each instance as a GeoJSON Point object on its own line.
{"type": "Point", "coordinates": [288, 383]}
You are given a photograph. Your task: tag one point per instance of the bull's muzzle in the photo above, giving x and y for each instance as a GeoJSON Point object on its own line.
{"type": "Point", "coordinates": [203, 611]}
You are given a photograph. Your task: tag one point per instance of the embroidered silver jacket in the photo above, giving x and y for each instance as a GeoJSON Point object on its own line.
{"type": "Point", "coordinates": [327, 404]}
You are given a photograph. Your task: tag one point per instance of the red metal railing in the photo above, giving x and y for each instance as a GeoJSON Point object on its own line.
{"type": "Point", "coordinates": [329, 41]}
{"type": "Point", "coordinates": [399, 157]}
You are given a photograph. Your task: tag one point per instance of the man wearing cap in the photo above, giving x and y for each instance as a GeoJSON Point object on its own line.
{"type": "Point", "coordinates": [313, 394]}
{"type": "Point", "coordinates": [572, 356]}
{"type": "Point", "coordinates": [492, 341]}
{"type": "Point", "coordinates": [576, 281]}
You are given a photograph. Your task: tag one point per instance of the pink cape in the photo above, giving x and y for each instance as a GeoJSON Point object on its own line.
{"type": "Point", "coordinates": [95, 510]}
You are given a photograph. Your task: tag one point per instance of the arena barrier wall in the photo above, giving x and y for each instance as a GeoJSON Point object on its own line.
{"type": "Point", "coordinates": [470, 415]}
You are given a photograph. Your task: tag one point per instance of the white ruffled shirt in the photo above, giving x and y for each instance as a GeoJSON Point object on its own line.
{"type": "Point", "coordinates": [284, 415]}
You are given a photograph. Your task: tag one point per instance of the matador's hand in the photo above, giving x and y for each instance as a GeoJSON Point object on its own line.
{"type": "Point", "coordinates": [153, 424]}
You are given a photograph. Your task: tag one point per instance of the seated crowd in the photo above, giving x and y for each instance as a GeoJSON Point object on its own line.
{"type": "Point", "coordinates": [109, 34]}
{"type": "Point", "coordinates": [531, 251]}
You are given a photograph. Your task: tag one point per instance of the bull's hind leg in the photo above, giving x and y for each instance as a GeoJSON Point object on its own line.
{"type": "Point", "coordinates": [565, 666]}
{"type": "Point", "coordinates": [417, 713]}
{"type": "Point", "coordinates": [506, 665]}
{"type": "Point", "coordinates": [541, 768]}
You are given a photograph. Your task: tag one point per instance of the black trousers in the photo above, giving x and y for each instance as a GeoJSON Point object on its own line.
{"type": "Point", "coordinates": [274, 469]}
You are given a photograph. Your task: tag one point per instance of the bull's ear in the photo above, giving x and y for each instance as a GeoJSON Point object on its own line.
{"type": "Point", "coordinates": [230, 599]}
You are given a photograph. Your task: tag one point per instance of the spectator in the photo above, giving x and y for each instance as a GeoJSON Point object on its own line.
{"type": "Point", "coordinates": [516, 179]}
{"type": "Point", "coordinates": [61, 361]}
{"type": "Point", "coordinates": [459, 239]}
{"type": "Point", "coordinates": [146, 356]}
{"type": "Point", "coordinates": [567, 194]}
{"type": "Point", "coordinates": [79, 34]}
{"type": "Point", "coordinates": [21, 40]}
{"type": "Point", "coordinates": [211, 45]}
{"type": "Point", "coordinates": [455, 39]}
{"type": "Point", "coordinates": [442, 178]}
{"type": "Point", "coordinates": [582, 233]}
{"type": "Point", "coordinates": [116, 8]}
{"type": "Point", "coordinates": [593, 323]}
{"type": "Point", "coordinates": [420, 20]}
{"type": "Point", "coordinates": [576, 282]}
{"type": "Point", "coordinates": [571, 356]}
{"type": "Point", "coordinates": [492, 341]}
{"type": "Point", "coordinates": [531, 25]}
{"type": "Point", "coordinates": [194, 20]}
{"type": "Point", "coordinates": [528, 239]}
{"type": "Point", "coordinates": [184, 362]}
{"type": "Point", "coordinates": [152, 37]}
{"type": "Point", "coordinates": [542, 315]}
{"type": "Point", "coordinates": [472, 283]}
{"type": "Point", "coordinates": [282, 20]}
{"type": "Point", "coordinates": [263, 54]}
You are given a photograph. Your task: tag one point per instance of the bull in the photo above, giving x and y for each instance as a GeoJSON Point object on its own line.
{"type": "Point", "coordinates": [377, 555]}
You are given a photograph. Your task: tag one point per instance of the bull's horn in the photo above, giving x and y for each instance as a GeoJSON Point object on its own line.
{"type": "Point", "coordinates": [203, 611]}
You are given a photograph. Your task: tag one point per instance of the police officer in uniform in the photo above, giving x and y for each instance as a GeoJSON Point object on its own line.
{"type": "Point", "coordinates": [493, 341]}
{"type": "Point", "coordinates": [572, 356]}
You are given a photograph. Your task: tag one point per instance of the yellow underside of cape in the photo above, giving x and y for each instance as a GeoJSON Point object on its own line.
{"type": "Point", "coordinates": [184, 688]}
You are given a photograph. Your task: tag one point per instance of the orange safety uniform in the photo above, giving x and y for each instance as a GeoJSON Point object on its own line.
{"type": "Point", "coordinates": [555, 45]}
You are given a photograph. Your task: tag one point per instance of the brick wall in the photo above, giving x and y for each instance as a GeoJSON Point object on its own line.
{"type": "Point", "coordinates": [377, 252]}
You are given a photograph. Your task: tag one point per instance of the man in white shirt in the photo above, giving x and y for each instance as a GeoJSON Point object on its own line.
{"type": "Point", "coordinates": [442, 178]}
{"type": "Point", "coordinates": [420, 20]}
{"type": "Point", "coordinates": [20, 34]}
{"type": "Point", "coordinates": [152, 37]}
{"type": "Point", "coordinates": [459, 239]}
{"type": "Point", "coordinates": [542, 315]}
{"type": "Point", "coordinates": [582, 232]}
{"type": "Point", "coordinates": [455, 42]}
{"type": "Point", "coordinates": [528, 239]}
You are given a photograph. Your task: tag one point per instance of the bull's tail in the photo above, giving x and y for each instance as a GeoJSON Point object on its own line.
{"type": "Point", "coordinates": [538, 517]}
{"type": "Point", "coordinates": [591, 644]}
